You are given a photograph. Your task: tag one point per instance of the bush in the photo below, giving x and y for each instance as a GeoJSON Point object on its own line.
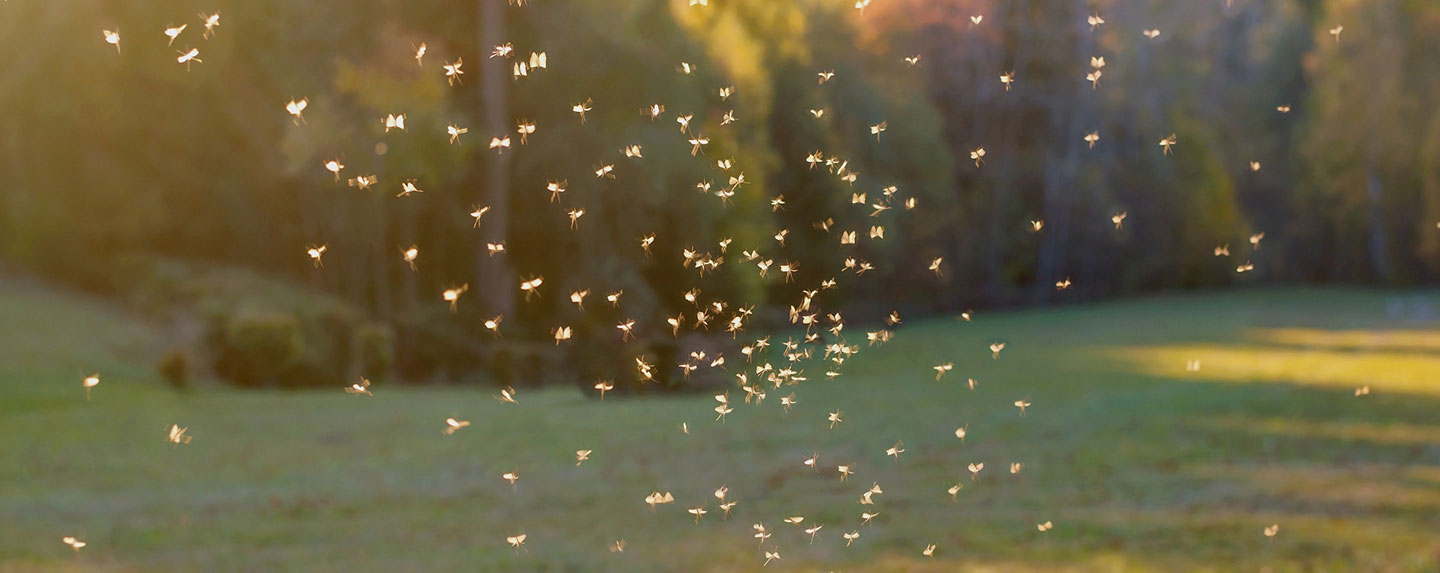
{"type": "Point", "coordinates": [433, 347]}
{"type": "Point", "coordinates": [374, 351]}
{"type": "Point", "coordinates": [175, 369]}
{"type": "Point", "coordinates": [258, 346]}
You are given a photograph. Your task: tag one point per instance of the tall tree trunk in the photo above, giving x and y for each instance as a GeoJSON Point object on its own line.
{"type": "Point", "coordinates": [1061, 166]}
{"type": "Point", "coordinates": [494, 278]}
{"type": "Point", "coordinates": [1374, 193]}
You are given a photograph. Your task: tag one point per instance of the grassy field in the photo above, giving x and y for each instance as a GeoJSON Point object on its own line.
{"type": "Point", "coordinates": [1137, 462]}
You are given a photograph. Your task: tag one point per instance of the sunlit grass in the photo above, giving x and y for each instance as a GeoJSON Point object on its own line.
{"type": "Point", "coordinates": [1140, 464]}
{"type": "Point", "coordinates": [1356, 340]}
{"type": "Point", "coordinates": [1382, 370]}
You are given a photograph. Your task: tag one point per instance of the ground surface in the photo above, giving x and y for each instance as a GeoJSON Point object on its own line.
{"type": "Point", "coordinates": [1138, 463]}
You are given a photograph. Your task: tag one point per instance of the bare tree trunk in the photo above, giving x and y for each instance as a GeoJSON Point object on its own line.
{"type": "Point", "coordinates": [1061, 167]}
{"type": "Point", "coordinates": [379, 253]}
{"type": "Point", "coordinates": [1379, 258]}
{"type": "Point", "coordinates": [494, 279]}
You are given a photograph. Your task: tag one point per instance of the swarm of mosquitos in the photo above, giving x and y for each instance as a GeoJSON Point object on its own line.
{"type": "Point", "coordinates": [765, 376]}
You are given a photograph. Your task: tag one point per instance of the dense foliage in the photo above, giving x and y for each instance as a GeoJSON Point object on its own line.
{"type": "Point", "coordinates": [127, 171]}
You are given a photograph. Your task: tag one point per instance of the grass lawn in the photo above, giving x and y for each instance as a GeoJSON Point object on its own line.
{"type": "Point", "coordinates": [1139, 463]}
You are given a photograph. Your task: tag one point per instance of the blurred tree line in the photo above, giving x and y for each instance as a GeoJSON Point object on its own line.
{"type": "Point", "coordinates": [194, 195]}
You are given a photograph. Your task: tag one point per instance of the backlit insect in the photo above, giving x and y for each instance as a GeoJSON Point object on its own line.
{"type": "Point", "coordinates": [978, 155]}
{"type": "Point", "coordinates": [73, 542]}
{"type": "Point", "coordinates": [112, 38]}
{"type": "Point", "coordinates": [1007, 78]}
{"type": "Point", "coordinates": [581, 108]}
{"type": "Point", "coordinates": [1091, 138]}
{"type": "Point", "coordinates": [525, 128]}
{"type": "Point", "coordinates": [174, 32]}
{"type": "Point", "coordinates": [452, 70]}
{"type": "Point", "coordinates": [393, 121]}
{"type": "Point", "coordinates": [697, 143]}
{"type": "Point", "coordinates": [315, 253]}
{"type": "Point", "coordinates": [452, 295]}
{"type": "Point", "coordinates": [518, 542]}
{"type": "Point", "coordinates": [296, 109]}
{"type": "Point", "coordinates": [455, 132]}
{"type": "Point", "coordinates": [1044, 526]}
{"type": "Point", "coordinates": [89, 382]}
{"type": "Point", "coordinates": [408, 187]}
{"type": "Point", "coordinates": [1118, 219]}
{"type": "Point", "coordinates": [176, 435]}
{"type": "Point", "coordinates": [358, 388]}
{"type": "Point", "coordinates": [420, 54]}
{"type": "Point", "coordinates": [1022, 405]}
{"type": "Point", "coordinates": [452, 425]}
{"type": "Point", "coordinates": [1167, 142]}
{"type": "Point", "coordinates": [657, 498]}
{"type": "Point", "coordinates": [1272, 530]}
{"type": "Point", "coordinates": [363, 182]}
{"type": "Point", "coordinates": [912, 61]}
{"type": "Point", "coordinates": [409, 255]}
{"type": "Point", "coordinates": [877, 129]}
{"type": "Point", "coordinates": [477, 214]}
{"type": "Point", "coordinates": [211, 22]}
{"type": "Point", "coordinates": [531, 286]}
{"type": "Point", "coordinates": [1152, 33]}
{"type": "Point", "coordinates": [191, 56]}
{"type": "Point", "coordinates": [581, 456]}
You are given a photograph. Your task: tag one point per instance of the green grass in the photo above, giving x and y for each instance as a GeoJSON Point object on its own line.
{"type": "Point", "coordinates": [1140, 464]}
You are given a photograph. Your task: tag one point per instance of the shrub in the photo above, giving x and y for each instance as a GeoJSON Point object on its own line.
{"type": "Point", "coordinates": [175, 369]}
{"type": "Point", "coordinates": [374, 351]}
{"type": "Point", "coordinates": [258, 346]}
